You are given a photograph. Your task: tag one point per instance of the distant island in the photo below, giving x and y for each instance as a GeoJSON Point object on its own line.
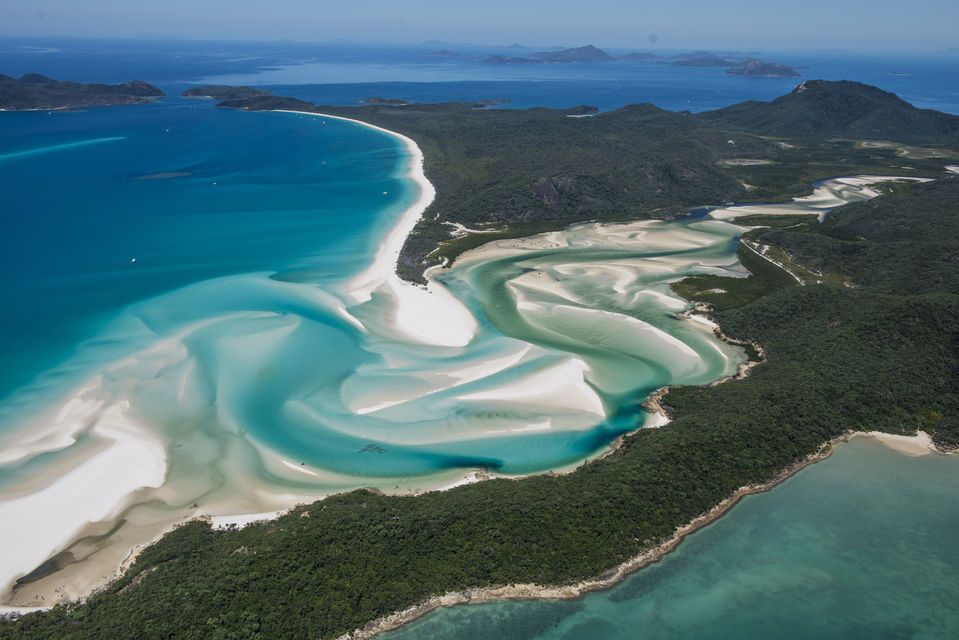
{"type": "Point", "coordinates": [389, 102]}
{"type": "Point", "coordinates": [498, 59]}
{"type": "Point", "coordinates": [589, 53]}
{"type": "Point", "coordinates": [755, 68]}
{"type": "Point", "coordinates": [443, 53]}
{"type": "Point", "coordinates": [701, 59]}
{"type": "Point", "coordinates": [735, 64]}
{"type": "Point", "coordinates": [224, 92]}
{"type": "Point", "coordinates": [36, 92]}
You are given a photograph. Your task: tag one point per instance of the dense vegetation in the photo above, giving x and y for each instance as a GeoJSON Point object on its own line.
{"type": "Point", "coordinates": [33, 91]}
{"type": "Point", "coordinates": [542, 170]}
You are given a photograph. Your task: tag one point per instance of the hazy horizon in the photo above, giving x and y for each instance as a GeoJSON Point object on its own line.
{"type": "Point", "coordinates": [856, 25]}
{"type": "Point", "coordinates": [440, 42]}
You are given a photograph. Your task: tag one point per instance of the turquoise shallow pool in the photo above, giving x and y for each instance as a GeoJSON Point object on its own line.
{"type": "Point", "coordinates": [862, 545]}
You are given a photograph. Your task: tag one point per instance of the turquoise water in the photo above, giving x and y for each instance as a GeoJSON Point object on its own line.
{"type": "Point", "coordinates": [862, 545]}
{"type": "Point", "coordinates": [177, 247]}
{"type": "Point", "coordinates": [186, 285]}
{"type": "Point", "coordinates": [190, 192]}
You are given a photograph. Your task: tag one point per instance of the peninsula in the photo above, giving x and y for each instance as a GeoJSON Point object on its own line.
{"type": "Point", "coordinates": [544, 170]}
{"type": "Point", "coordinates": [36, 92]}
{"type": "Point", "coordinates": [827, 307]}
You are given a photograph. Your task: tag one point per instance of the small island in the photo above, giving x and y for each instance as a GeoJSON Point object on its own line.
{"type": "Point", "coordinates": [701, 59]}
{"type": "Point", "coordinates": [589, 53]}
{"type": "Point", "coordinates": [224, 92]}
{"type": "Point", "coordinates": [33, 92]}
{"type": "Point", "coordinates": [386, 102]}
{"type": "Point", "coordinates": [756, 68]}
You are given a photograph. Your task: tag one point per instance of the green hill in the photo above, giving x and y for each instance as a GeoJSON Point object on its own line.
{"type": "Point", "coordinates": [34, 91]}
{"type": "Point", "coordinates": [838, 109]}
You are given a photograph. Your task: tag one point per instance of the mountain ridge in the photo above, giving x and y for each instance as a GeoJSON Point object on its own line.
{"type": "Point", "coordinates": [841, 108]}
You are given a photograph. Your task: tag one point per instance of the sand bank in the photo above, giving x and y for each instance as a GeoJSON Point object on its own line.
{"type": "Point", "coordinates": [826, 195]}
{"type": "Point", "coordinates": [920, 444]}
{"type": "Point", "coordinates": [42, 523]}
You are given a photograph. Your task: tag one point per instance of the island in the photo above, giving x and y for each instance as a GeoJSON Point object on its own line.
{"type": "Point", "coordinates": [223, 92]}
{"type": "Point", "coordinates": [755, 68]}
{"type": "Point", "coordinates": [389, 102]}
{"type": "Point", "coordinates": [598, 176]}
{"type": "Point", "coordinates": [589, 53]}
{"type": "Point", "coordinates": [501, 59]}
{"type": "Point", "coordinates": [821, 108]}
{"type": "Point", "coordinates": [826, 308]}
{"type": "Point", "coordinates": [735, 64]}
{"type": "Point", "coordinates": [33, 92]}
{"type": "Point", "coordinates": [701, 59]}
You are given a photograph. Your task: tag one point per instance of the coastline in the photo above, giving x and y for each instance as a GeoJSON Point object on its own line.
{"type": "Point", "coordinates": [920, 444]}
{"type": "Point", "coordinates": [609, 579]}
{"type": "Point", "coordinates": [659, 416]}
{"type": "Point", "coordinates": [428, 315]}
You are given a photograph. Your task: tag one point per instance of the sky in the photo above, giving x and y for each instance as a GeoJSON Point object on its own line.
{"type": "Point", "coordinates": [637, 24]}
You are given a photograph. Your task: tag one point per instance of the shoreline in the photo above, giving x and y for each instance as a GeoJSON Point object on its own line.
{"type": "Point", "coordinates": [660, 416]}
{"type": "Point", "coordinates": [920, 444]}
{"type": "Point", "coordinates": [427, 315]}
{"type": "Point", "coordinates": [604, 581]}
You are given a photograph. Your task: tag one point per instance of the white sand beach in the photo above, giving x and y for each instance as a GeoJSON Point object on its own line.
{"type": "Point", "coordinates": [827, 195]}
{"type": "Point", "coordinates": [431, 314]}
{"type": "Point", "coordinates": [42, 523]}
{"type": "Point", "coordinates": [918, 445]}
